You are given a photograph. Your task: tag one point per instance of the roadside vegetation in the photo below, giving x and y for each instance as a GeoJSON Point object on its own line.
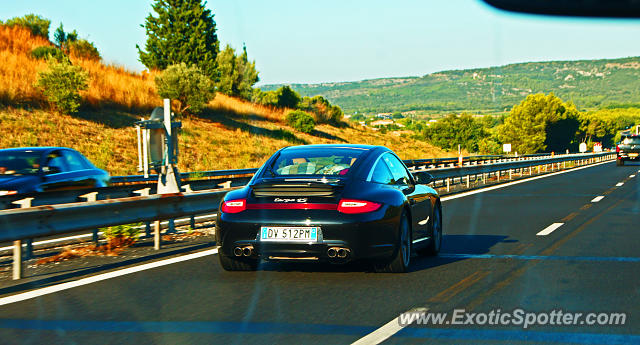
{"type": "Point", "coordinates": [540, 123]}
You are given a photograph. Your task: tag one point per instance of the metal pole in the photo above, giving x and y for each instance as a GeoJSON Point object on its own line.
{"type": "Point", "coordinates": [28, 254]}
{"type": "Point", "coordinates": [17, 260]}
{"type": "Point", "coordinates": [145, 152]}
{"type": "Point", "coordinates": [147, 226]}
{"type": "Point", "coordinates": [139, 134]}
{"type": "Point", "coordinates": [156, 236]}
{"type": "Point", "coordinates": [90, 197]}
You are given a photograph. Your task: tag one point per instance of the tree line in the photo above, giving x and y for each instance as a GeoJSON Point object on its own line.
{"type": "Point", "coordinates": [540, 123]}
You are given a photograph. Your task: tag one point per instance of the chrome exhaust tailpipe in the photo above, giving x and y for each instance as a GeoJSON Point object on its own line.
{"type": "Point", "coordinates": [237, 251]}
{"type": "Point", "coordinates": [247, 251]}
{"type": "Point", "coordinates": [332, 252]}
{"type": "Point", "coordinates": [343, 252]}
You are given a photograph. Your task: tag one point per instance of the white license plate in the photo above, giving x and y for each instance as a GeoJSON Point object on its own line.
{"type": "Point", "coordinates": [288, 234]}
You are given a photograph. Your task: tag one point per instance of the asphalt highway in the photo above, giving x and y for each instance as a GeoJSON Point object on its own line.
{"type": "Point", "coordinates": [549, 247]}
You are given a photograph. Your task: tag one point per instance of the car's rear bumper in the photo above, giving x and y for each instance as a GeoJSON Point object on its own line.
{"type": "Point", "coordinates": [364, 236]}
{"type": "Point", "coordinates": [628, 156]}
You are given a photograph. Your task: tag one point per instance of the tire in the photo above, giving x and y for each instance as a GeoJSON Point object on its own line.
{"type": "Point", "coordinates": [402, 258]}
{"type": "Point", "coordinates": [436, 234]}
{"type": "Point", "coordinates": [619, 162]}
{"type": "Point", "coordinates": [239, 264]}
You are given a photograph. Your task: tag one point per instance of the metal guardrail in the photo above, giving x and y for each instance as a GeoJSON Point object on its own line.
{"type": "Point", "coordinates": [133, 185]}
{"type": "Point", "coordinates": [60, 219]}
{"type": "Point", "coordinates": [184, 176]}
{"type": "Point", "coordinates": [38, 221]}
{"type": "Point", "coordinates": [486, 170]}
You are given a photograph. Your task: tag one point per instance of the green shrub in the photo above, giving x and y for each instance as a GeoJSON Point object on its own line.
{"type": "Point", "coordinates": [83, 49]}
{"type": "Point", "coordinates": [61, 84]}
{"type": "Point", "coordinates": [322, 110]}
{"type": "Point", "coordinates": [38, 25]}
{"type": "Point", "coordinates": [45, 52]}
{"type": "Point", "coordinates": [284, 97]}
{"type": "Point", "coordinates": [301, 121]}
{"type": "Point", "coordinates": [128, 231]}
{"type": "Point", "coordinates": [187, 85]}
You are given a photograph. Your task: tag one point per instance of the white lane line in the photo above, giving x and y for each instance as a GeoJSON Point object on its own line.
{"type": "Point", "coordinates": [456, 196]}
{"type": "Point", "coordinates": [619, 184]}
{"type": "Point", "coordinates": [598, 198]}
{"type": "Point", "coordinates": [104, 276]}
{"type": "Point", "coordinates": [632, 176]}
{"type": "Point", "coordinates": [385, 332]}
{"type": "Point", "coordinates": [549, 229]}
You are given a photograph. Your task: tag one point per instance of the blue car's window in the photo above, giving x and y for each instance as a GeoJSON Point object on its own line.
{"type": "Point", "coordinates": [19, 163]}
{"type": "Point", "coordinates": [74, 161]}
{"type": "Point", "coordinates": [55, 163]}
{"type": "Point", "coordinates": [335, 162]}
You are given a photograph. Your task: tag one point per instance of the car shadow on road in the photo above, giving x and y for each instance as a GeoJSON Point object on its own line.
{"type": "Point", "coordinates": [452, 244]}
{"type": "Point", "coordinates": [458, 244]}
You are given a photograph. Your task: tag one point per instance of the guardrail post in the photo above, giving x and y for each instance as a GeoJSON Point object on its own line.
{"type": "Point", "coordinates": [17, 245]}
{"type": "Point", "coordinates": [90, 197]}
{"type": "Point", "coordinates": [468, 180]}
{"type": "Point", "coordinates": [448, 178]}
{"type": "Point", "coordinates": [156, 236]}
{"type": "Point", "coordinates": [192, 219]}
{"type": "Point", "coordinates": [498, 175]}
{"type": "Point", "coordinates": [147, 225]}
{"type": "Point", "coordinates": [225, 184]}
{"type": "Point", "coordinates": [510, 171]}
{"type": "Point", "coordinates": [17, 260]}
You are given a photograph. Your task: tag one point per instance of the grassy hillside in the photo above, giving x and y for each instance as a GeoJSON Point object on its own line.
{"type": "Point", "coordinates": [588, 83]}
{"type": "Point", "coordinates": [230, 133]}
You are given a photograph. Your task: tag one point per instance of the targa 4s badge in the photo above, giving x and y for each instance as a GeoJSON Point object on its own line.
{"type": "Point", "coordinates": [285, 200]}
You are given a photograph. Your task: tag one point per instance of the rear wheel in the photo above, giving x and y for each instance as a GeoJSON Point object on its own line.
{"type": "Point", "coordinates": [619, 162]}
{"type": "Point", "coordinates": [400, 261]}
{"type": "Point", "coordinates": [436, 234]}
{"type": "Point", "coordinates": [237, 264]}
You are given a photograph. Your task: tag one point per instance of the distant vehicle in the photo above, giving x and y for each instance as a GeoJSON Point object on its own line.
{"type": "Point", "coordinates": [40, 169]}
{"type": "Point", "coordinates": [330, 203]}
{"type": "Point", "coordinates": [628, 149]}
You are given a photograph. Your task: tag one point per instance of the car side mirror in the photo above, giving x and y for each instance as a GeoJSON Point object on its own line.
{"type": "Point", "coordinates": [422, 177]}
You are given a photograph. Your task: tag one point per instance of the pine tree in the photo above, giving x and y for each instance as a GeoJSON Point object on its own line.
{"type": "Point", "coordinates": [183, 31]}
{"type": "Point", "coordinates": [236, 74]}
{"type": "Point", "coordinates": [247, 75]}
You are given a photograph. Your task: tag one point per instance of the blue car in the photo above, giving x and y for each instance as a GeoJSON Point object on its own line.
{"type": "Point", "coordinates": [40, 169]}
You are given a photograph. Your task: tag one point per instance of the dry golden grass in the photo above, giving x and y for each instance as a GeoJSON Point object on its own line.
{"type": "Point", "coordinates": [230, 134]}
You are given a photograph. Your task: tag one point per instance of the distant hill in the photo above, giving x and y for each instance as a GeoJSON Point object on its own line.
{"type": "Point", "coordinates": [588, 83]}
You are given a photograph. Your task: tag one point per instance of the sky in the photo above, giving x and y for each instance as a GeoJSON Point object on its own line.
{"type": "Point", "coordinates": [309, 41]}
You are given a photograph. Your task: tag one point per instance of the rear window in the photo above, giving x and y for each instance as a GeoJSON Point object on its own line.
{"type": "Point", "coordinates": [315, 161]}
{"type": "Point", "coordinates": [631, 141]}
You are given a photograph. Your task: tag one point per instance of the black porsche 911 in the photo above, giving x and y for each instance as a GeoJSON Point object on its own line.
{"type": "Point", "coordinates": [334, 203]}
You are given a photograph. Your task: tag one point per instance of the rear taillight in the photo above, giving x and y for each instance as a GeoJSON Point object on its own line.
{"type": "Point", "coordinates": [357, 206]}
{"type": "Point", "coordinates": [234, 206]}
{"type": "Point", "coordinates": [617, 148]}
